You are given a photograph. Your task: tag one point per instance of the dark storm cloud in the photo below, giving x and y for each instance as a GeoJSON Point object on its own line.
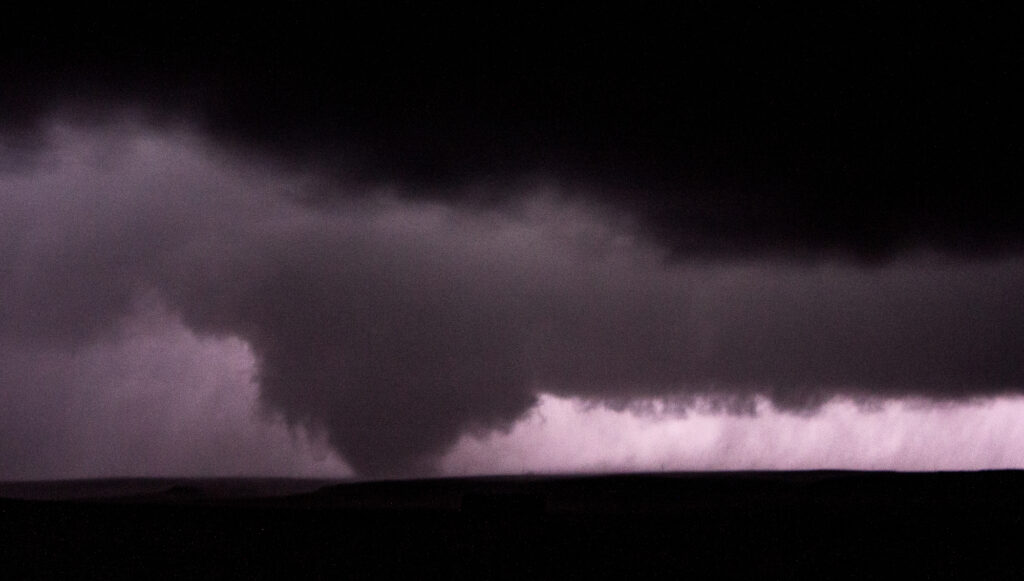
{"type": "Point", "coordinates": [850, 130]}
{"type": "Point", "coordinates": [393, 327]}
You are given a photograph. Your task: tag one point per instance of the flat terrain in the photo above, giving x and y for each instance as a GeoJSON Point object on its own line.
{"type": "Point", "coordinates": [777, 524]}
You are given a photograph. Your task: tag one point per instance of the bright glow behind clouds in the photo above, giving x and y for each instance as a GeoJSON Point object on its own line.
{"type": "Point", "coordinates": [569, 435]}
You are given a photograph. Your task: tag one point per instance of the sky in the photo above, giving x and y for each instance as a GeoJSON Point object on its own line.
{"type": "Point", "coordinates": [406, 244]}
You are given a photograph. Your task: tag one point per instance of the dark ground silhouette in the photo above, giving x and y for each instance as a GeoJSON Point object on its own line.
{"type": "Point", "coordinates": [775, 525]}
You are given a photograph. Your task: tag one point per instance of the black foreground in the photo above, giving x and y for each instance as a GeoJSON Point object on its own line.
{"type": "Point", "coordinates": [755, 525]}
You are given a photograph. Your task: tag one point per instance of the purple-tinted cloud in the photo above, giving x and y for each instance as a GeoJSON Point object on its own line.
{"type": "Point", "coordinates": [572, 435]}
{"type": "Point", "coordinates": [394, 327]}
{"type": "Point", "coordinates": [151, 399]}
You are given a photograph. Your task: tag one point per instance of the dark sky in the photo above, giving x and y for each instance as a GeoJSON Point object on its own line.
{"type": "Point", "coordinates": [420, 223]}
{"type": "Point", "coordinates": [864, 129]}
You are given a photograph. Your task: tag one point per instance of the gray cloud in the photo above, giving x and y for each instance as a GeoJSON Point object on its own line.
{"type": "Point", "coordinates": [394, 327]}
{"type": "Point", "coordinates": [151, 399]}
